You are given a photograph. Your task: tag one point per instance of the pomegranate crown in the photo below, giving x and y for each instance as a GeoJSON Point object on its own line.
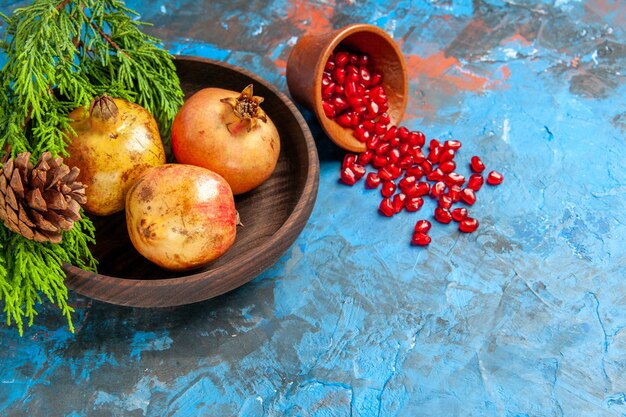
{"type": "Point", "coordinates": [246, 107]}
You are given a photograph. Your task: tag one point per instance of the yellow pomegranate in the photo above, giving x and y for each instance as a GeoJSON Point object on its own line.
{"type": "Point", "coordinates": [114, 142]}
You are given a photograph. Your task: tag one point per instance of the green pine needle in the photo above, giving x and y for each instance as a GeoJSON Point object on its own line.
{"type": "Point", "coordinates": [60, 54]}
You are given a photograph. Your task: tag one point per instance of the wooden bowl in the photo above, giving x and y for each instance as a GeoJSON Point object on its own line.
{"type": "Point", "coordinates": [273, 214]}
{"type": "Point", "coordinates": [308, 57]}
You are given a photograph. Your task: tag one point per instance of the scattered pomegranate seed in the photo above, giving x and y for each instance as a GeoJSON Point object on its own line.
{"type": "Point", "coordinates": [353, 95]}
{"type": "Point", "coordinates": [437, 189]}
{"type": "Point", "coordinates": [468, 196]}
{"type": "Point", "coordinates": [443, 215]}
{"type": "Point", "coordinates": [494, 178]}
{"type": "Point", "coordinates": [386, 207]}
{"type": "Point", "coordinates": [420, 239]}
{"type": "Point", "coordinates": [372, 180]}
{"type": "Point", "coordinates": [413, 203]}
{"type": "Point", "coordinates": [459, 214]}
{"type": "Point", "coordinates": [347, 176]}
{"type": "Point", "coordinates": [398, 202]}
{"type": "Point", "coordinates": [422, 226]}
{"type": "Point", "coordinates": [468, 225]}
{"type": "Point", "coordinates": [475, 182]}
{"type": "Point", "coordinates": [445, 201]}
{"type": "Point", "coordinates": [388, 188]}
{"type": "Point", "coordinates": [477, 164]}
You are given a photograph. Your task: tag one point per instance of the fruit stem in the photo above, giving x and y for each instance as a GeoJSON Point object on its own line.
{"type": "Point", "coordinates": [103, 111]}
{"type": "Point", "coordinates": [246, 107]}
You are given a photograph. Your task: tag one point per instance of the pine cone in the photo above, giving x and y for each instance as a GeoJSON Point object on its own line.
{"type": "Point", "coordinates": [40, 202]}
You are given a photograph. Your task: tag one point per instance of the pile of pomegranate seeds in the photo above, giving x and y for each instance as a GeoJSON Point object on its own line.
{"type": "Point", "coordinates": [404, 169]}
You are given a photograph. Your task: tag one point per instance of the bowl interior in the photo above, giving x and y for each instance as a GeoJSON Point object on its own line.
{"type": "Point", "coordinates": [263, 211]}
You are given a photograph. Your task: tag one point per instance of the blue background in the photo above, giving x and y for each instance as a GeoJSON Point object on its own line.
{"type": "Point", "coordinates": [525, 317]}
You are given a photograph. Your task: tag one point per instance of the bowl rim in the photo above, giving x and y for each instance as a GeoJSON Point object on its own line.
{"type": "Point", "coordinates": [297, 218]}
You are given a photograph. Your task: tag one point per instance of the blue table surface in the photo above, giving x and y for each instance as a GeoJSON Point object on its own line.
{"type": "Point", "coordinates": [525, 317]}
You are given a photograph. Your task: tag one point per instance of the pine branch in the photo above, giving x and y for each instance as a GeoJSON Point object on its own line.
{"type": "Point", "coordinates": [60, 54]}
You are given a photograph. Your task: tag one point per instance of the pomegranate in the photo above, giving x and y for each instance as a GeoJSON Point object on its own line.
{"type": "Point", "coordinates": [181, 216]}
{"type": "Point", "coordinates": [229, 134]}
{"type": "Point", "coordinates": [112, 144]}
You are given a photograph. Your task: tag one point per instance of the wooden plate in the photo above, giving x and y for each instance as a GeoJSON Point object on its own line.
{"type": "Point", "coordinates": [273, 214]}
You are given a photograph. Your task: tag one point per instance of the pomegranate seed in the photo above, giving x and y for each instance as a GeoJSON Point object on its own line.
{"type": "Point", "coordinates": [329, 109]}
{"type": "Point", "coordinates": [354, 59]}
{"type": "Point", "coordinates": [454, 192]}
{"type": "Point", "coordinates": [476, 164]}
{"type": "Point", "coordinates": [468, 196]}
{"type": "Point", "coordinates": [388, 188]}
{"type": "Point", "coordinates": [364, 76]}
{"type": "Point", "coordinates": [386, 207]}
{"type": "Point", "coordinates": [361, 134]}
{"type": "Point", "coordinates": [380, 128]}
{"type": "Point", "coordinates": [395, 171]}
{"type": "Point", "coordinates": [434, 155]}
{"type": "Point", "coordinates": [328, 91]}
{"type": "Point", "coordinates": [443, 215]}
{"type": "Point", "coordinates": [445, 201]}
{"type": "Point", "coordinates": [459, 214]}
{"type": "Point", "coordinates": [340, 104]}
{"type": "Point", "coordinates": [452, 144]}
{"type": "Point", "coordinates": [398, 202]}
{"type": "Point", "coordinates": [342, 58]}
{"type": "Point", "coordinates": [377, 94]}
{"type": "Point", "coordinates": [446, 155]}
{"type": "Point", "coordinates": [415, 171]}
{"type": "Point", "coordinates": [363, 60]}
{"type": "Point", "coordinates": [384, 118]}
{"type": "Point", "coordinates": [394, 156]}
{"type": "Point", "coordinates": [433, 144]}
{"type": "Point", "coordinates": [356, 102]}
{"type": "Point", "coordinates": [347, 176]}
{"type": "Point", "coordinates": [359, 171]}
{"type": "Point", "coordinates": [403, 133]}
{"type": "Point", "coordinates": [372, 142]}
{"type": "Point", "coordinates": [348, 160]}
{"type": "Point", "coordinates": [454, 179]}
{"type": "Point", "coordinates": [375, 79]}
{"type": "Point", "coordinates": [339, 90]}
{"type": "Point", "coordinates": [406, 162]}
{"type": "Point", "coordinates": [413, 203]}
{"type": "Point", "coordinates": [330, 64]}
{"type": "Point", "coordinates": [417, 138]}
{"type": "Point", "coordinates": [407, 183]}
{"type": "Point", "coordinates": [350, 88]}
{"type": "Point", "coordinates": [418, 155]}
{"type": "Point", "coordinates": [344, 120]}
{"type": "Point", "coordinates": [437, 189]}
{"type": "Point", "coordinates": [372, 180]}
{"type": "Point", "coordinates": [339, 74]}
{"type": "Point", "coordinates": [385, 174]}
{"type": "Point", "coordinates": [422, 226]}
{"type": "Point", "coordinates": [389, 134]}
{"type": "Point", "coordinates": [494, 178]}
{"type": "Point", "coordinates": [365, 157]}
{"type": "Point", "coordinates": [475, 182]}
{"type": "Point", "coordinates": [379, 161]}
{"type": "Point", "coordinates": [436, 175]}
{"type": "Point", "coordinates": [447, 167]}
{"type": "Point", "coordinates": [420, 239]}
{"type": "Point", "coordinates": [468, 225]}
{"type": "Point", "coordinates": [423, 188]}
{"type": "Point", "coordinates": [383, 148]}
{"type": "Point", "coordinates": [427, 166]}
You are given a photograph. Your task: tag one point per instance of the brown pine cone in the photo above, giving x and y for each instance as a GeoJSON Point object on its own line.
{"type": "Point", "coordinates": [40, 202]}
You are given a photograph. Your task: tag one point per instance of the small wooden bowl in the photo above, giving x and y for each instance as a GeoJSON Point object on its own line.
{"type": "Point", "coordinates": [307, 60]}
{"type": "Point", "coordinates": [273, 214]}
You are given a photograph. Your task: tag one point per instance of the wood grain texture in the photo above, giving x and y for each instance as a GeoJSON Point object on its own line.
{"type": "Point", "coordinates": [273, 214]}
